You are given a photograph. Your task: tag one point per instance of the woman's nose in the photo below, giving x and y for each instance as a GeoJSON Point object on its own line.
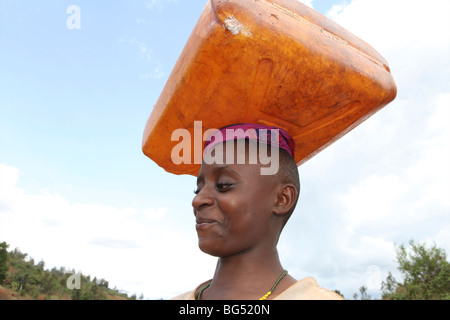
{"type": "Point", "coordinates": [202, 199]}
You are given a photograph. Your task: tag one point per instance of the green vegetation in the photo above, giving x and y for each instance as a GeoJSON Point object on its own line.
{"type": "Point", "coordinates": [363, 295]}
{"type": "Point", "coordinates": [3, 261]}
{"type": "Point", "coordinates": [425, 271]}
{"type": "Point", "coordinates": [22, 278]}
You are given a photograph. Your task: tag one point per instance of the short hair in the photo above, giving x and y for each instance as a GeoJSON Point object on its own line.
{"type": "Point", "coordinates": [288, 174]}
{"type": "Point", "coordinates": [287, 170]}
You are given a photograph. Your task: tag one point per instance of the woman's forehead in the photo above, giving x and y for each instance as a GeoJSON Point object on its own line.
{"type": "Point", "coordinates": [243, 154]}
{"type": "Point", "coordinates": [239, 152]}
{"type": "Point", "coordinates": [234, 170]}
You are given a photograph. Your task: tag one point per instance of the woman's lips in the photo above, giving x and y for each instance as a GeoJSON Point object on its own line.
{"type": "Point", "coordinates": [204, 224]}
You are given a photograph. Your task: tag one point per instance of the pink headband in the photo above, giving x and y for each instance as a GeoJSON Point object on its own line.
{"type": "Point", "coordinates": [256, 132]}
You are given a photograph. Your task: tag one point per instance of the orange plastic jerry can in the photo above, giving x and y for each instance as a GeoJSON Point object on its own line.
{"type": "Point", "coordinates": [272, 62]}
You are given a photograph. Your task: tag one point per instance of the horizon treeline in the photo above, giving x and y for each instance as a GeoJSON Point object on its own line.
{"type": "Point", "coordinates": [30, 280]}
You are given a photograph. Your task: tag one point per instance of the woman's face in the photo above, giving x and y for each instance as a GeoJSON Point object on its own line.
{"type": "Point", "coordinates": [233, 207]}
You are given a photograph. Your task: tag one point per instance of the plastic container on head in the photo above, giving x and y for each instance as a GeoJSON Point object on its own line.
{"type": "Point", "coordinates": [272, 62]}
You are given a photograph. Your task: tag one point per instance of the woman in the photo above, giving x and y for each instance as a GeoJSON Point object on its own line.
{"type": "Point", "coordinates": [240, 214]}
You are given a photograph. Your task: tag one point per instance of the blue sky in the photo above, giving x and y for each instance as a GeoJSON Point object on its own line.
{"type": "Point", "coordinates": [67, 90]}
{"type": "Point", "coordinates": [75, 102]}
{"type": "Point", "coordinates": [77, 190]}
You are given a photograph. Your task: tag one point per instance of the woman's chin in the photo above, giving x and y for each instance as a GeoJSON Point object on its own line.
{"type": "Point", "coordinates": [210, 247]}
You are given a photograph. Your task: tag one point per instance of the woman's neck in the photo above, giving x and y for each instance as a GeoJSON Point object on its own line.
{"type": "Point", "coordinates": [245, 276]}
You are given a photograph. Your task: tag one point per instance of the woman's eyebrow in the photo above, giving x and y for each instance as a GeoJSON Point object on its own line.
{"type": "Point", "coordinates": [217, 171]}
{"type": "Point", "coordinates": [225, 168]}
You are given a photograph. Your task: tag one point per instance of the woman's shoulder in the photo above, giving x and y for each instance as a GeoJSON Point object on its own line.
{"type": "Point", "coordinates": [191, 295]}
{"type": "Point", "coordinates": [307, 289]}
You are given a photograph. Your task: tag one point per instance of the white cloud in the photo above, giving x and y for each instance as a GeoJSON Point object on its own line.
{"type": "Point", "coordinates": [154, 214]}
{"type": "Point", "coordinates": [144, 50]}
{"type": "Point", "coordinates": [157, 73]}
{"type": "Point", "coordinates": [411, 182]}
{"type": "Point", "coordinates": [8, 179]}
{"type": "Point", "coordinates": [157, 4]}
{"type": "Point", "coordinates": [145, 53]}
{"type": "Point", "coordinates": [388, 180]}
{"type": "Point", "coordinates": [128, 247]}
{"type": "Point", "coordinates": [374, 199]}
{"type": "Point", "coordinates": [393, 26]}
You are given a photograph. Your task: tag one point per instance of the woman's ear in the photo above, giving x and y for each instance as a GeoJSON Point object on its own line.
{"type": "Point", "coordinates": [286, 200]}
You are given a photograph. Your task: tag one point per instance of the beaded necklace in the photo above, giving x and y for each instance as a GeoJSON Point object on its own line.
{"type": "Point", "coordinates": [264, 297]}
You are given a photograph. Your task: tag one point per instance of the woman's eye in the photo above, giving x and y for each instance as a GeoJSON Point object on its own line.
{"type": "Point", "coordinates": [223, 187]}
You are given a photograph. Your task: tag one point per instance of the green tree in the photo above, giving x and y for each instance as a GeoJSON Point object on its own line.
{"type": "Point", "coordinates": [48, 283]}
{"type": "Point", "coordinates": [4, 258]}
{"type": "Point", "coordinates": [425, 271]}
{"type": "Point", "coordinates": [339, 293]}
{"type": "Point", "coordinates": [363, 294]}
{"type": "Point", "coordinates": [32, 281]}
